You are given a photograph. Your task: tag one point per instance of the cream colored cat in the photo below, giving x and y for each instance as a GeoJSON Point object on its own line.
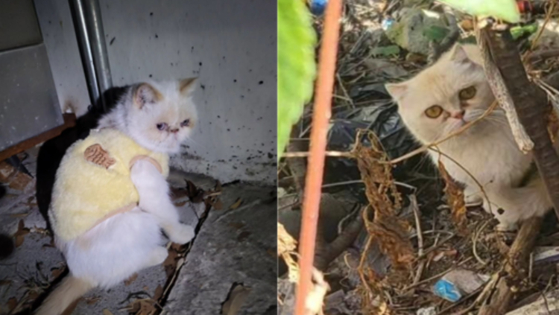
{"type": "Point", "coordinates": [444, 97]}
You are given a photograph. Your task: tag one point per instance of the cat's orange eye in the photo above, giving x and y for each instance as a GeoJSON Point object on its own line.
{"type": "Point", "coordinates": [467, 93]}
{"type": "Point", "coordinates": [434, 111]}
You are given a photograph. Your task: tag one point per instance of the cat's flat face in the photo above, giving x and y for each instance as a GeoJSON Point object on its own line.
{"type": "Point", "coordinates": [445, 96]}
{"type": "Point", "coordinates": [162, 114]}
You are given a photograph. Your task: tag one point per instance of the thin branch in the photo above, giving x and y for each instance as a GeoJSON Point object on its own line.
{"type": "Point", "coordinates": [306, 154]}
{"type": "Point", "coordinates": [421, 266]}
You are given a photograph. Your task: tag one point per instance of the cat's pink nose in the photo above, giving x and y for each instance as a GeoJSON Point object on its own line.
{"type": "Point", "coordinates": [174, 130]}
{"type": "Point", "coordinates": [458, 115]}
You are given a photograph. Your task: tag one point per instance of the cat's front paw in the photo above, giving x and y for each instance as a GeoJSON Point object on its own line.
{"type": "Point", "coordinates": [181, 234]}
{"type": "Point", "coordinates": [139, 171]}
{"type": "Point", "coordinates": [506, 227]}
{"type": "Point", "coordinates": [473, 200]}
{"type": "Point", "coordinates": [158, 256]}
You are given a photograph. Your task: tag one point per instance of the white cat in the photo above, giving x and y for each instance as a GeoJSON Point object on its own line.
{"type": "Point", "coordinates": [444, 97]}
{"type": "Point", "coordinates": [128, 242]}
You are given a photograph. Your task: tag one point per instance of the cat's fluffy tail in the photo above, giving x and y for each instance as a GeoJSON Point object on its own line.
{"type": "Point", "coordinates": [70, 289]}
{"type": "Point", "coordinates": [520, 203]}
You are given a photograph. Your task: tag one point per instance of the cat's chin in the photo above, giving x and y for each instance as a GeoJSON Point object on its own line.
{"type": "Point", "coordinates": [160, 148]}
{"type": "Point", "coordinates": [165, 149]}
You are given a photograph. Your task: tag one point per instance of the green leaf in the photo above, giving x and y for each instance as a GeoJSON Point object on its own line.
{"type": "Point", "coordinates": [386, 51]}
{"type": "Point", "coordinates": [519, 31]}
{"type": "Point", "coordinates": [296, 65]}
{"type": "Point", "coordinates": [501, 9]}
{"type": "Point", "coordinates": [435, 33]}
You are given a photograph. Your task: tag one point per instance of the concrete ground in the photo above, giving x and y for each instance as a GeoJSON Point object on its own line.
{"type": "Point", "coordinates": [235, 247]}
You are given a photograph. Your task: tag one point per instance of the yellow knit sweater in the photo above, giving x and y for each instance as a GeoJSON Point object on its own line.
{"type": "Point", "coordinates": [85, 192]}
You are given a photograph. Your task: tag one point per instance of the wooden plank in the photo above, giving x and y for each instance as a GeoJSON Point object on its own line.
{"type": "Point", "coordinates": [69, 121]}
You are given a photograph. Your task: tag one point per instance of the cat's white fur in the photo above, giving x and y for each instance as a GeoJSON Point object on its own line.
{"type": "Point", "coordinates": [487, 150]}
{"type": "Point", "coordinates": [127, 242]}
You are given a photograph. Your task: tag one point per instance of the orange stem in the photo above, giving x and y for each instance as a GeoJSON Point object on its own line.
{"type": "Point", "coordinates": [315, 171]}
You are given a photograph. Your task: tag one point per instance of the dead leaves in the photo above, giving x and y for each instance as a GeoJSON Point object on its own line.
{"type": "Point", "coordinates": [13, 178]}
{"type": "Point", "coordinates": [5, 282]}
{"type": "Point", "coordinates": [143, 307]}
{"type": "Point", "coordinates": [236, 204]}
{"type": "Point", "coordinates": [191, 191]}
{"type": "Point", "coordinates": [552, 123]}
{"type": "Point", "coordinates": [56, 272]}
{"type": "Point", "coordinates": [132, 278]}
{"type": "Point", "coordinates": [286, 249]}
{"type": "Point", "coordinates": [212, 197]}
{"type": "Point", "coordinates": [216, 203]}
{"type": "Point", "coordinates": [455, 195]}
{"type": "Point", "coordinates": [235, 300]}
{"type": "Point", "coordinates": [12, 303]}
{"type": "Point", "coordinates": [197, 195]}
{"type": "Point", "coordinates": [158, 293]}
{"type": "Point", "coordinates": [20, 234]}
{"type": "Point", "coordinates": [385, 228]}
{"type": "Point", "coordinates": [148, 305]}
{"type": "Point", "coordinates": [92, 300]}
{"type": "Point", "coordinates": [176, 251]}
{"type": "Point", "coordinates": [286, 243]}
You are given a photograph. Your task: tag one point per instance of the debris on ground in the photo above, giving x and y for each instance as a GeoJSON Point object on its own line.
{"type": "Point", "coordinates": [422, 250]}
{"type": "Point", "coordinates": [457, 283]}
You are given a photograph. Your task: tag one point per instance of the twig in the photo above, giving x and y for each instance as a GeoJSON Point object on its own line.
{"type": "Point", "coordinates": [436, 143]}
{"type": "Point", "coordinates": [435, 276]}
{"type": "Point", "coordinates": [499, 88]}
{"type": "Point", "coordinates": [306, 154]}
{"type": "Point", "coordinates": [464, 299]}
{"type": "Point", "coordinates": [241, 208]}
{"type": "Point", "coordinates": [432, 248]}
{"type": "Point", "coordinates": [415, 208]}
{"type": "Point", "coordinates": [348, 99]}
{"type": "Point", "coordinates": [528, 54]}
{"type": "Point", "coordinates": [514, 268]}
{"type": "Point", "coordinates": [474, 242]}
{"type": "Point", "coordinates": [349, 182]}
{"type": "Point", "coordinates": [543, 54]}
{"type": "Point", "coordinates": [326, 253]}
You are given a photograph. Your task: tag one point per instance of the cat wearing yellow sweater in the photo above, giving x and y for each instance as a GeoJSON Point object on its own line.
{"type": "Point", "coordinates": [111, 200]}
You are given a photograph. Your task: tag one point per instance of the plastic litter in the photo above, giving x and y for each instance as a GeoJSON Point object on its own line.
{"type": "Point", "coordinates": [546, 254]}
{"type": "Point", "coordinates": [458, 283]}
{"type": "Point", "coordinates": [431, 310]}
{"type": "Point", "coordinates": [318, 6]}
{"type": "Point", "coordinates": [387, 23]}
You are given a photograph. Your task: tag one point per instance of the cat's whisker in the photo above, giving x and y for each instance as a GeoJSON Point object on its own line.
{"type": "Point", "coordinates": [192, 141]}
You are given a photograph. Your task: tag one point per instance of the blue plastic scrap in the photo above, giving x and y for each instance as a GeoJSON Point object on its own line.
{"type": "Point", "coordinates": [318, 6]}
{"type": "Point", "coordinates": [447, 290]}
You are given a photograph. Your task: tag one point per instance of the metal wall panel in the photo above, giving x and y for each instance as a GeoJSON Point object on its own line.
{"type": "Point", "coordinates": [28, 100]}
{"type": "Point", "coordinates": [60, 40]}
{"type": "Point", "coordinates": [18, 24]}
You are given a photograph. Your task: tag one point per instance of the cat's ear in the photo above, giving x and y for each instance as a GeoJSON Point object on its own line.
{"type": "Point", "coordinates": [396, 90]}
{"type": "Point", "coordinates": [146, 94]}
{"type": "Point", "coordinates": [458, 54]}
{"type": "Point", "coordinates": [187, 86]}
